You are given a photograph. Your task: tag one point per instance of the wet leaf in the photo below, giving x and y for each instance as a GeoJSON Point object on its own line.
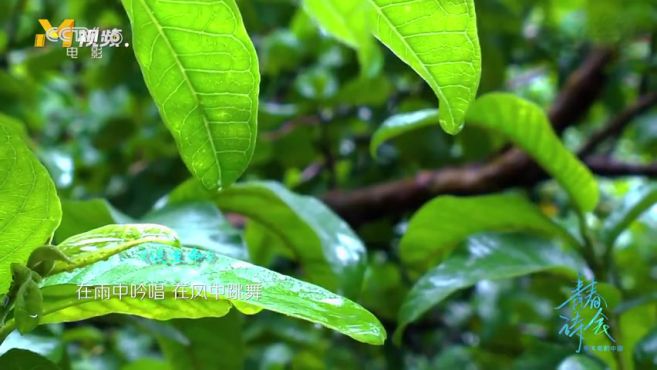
{"type": "Point", "coordinates": [330, 252]}
{"type": "Point", "coordinates": [437, 228]}
{"type": "Point", "coordinates": [439, 40]}
{"type": "Point", "coordinates": [527, 126]}
{"type": "Point", "coordinates": [202, 71]}
{"type": "Point", "coordinates": [99, 244]}
{"type": "Point", "coordinates": [488, 257]}
{"type": "Point", "coordinates": [183, 267]}
{"type": "Point", "coordinates": [29, 206]}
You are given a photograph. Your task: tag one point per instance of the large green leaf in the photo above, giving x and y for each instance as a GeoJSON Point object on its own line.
{"type": "Point", "coordinates": [634, 205]}
{"type": "Point", "coordinates": [99, 244]}
{"type": "Point", "coordinates": [202, 71]}
{"type": "Point", "coordinates": [488, 257]}
{"type": "Point", "coordinates": [527, 126]}
{"type": "Point", "coordinates": [331, 254]}
{"type": "Point", "coordinates": [178, 267]}
{"type": "Point", "coordinates": [400, 124]}
{"type": "Point", "coordinates": [347, 21]}
{"type": "Point", "coordinates": [439, 40]}
{"type": "Point", "coordinates": [437, 228]}
{"type": "Point", "coordinates": [29, 206]}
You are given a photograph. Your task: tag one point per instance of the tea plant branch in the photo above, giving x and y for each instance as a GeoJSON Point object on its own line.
{"type": "Point", "coordinates": [617, 124]}
{"type": "Point", "coordinates": [511, 168]}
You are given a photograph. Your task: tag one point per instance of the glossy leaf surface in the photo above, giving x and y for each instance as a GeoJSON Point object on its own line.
{"type": "Point", "coordinates": [439, 40]}
{"type": "Point", "coordinates": [527, 126]}
{"type": "Point", "coordinates": [202, 71]}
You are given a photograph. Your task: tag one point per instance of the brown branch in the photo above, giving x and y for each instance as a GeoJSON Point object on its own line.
{"type": "Point", "coordinates": [609, 167]}
{"type": "Point", "coordinates": [617, 124]}
{"type": "Point", "coordinates": [510, 168]}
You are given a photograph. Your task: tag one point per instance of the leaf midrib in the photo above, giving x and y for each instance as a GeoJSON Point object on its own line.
{"type": "Point", "coordinates": [189, 84]}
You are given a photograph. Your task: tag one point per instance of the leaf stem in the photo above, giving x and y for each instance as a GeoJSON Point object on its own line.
{"type": "Point", "coordinates": [589, 249]}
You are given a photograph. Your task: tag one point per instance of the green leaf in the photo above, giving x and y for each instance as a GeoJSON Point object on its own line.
{"type": "Point", "coordinates": [21, 359]}
{"type": "Point", "coordinates": [174, 267]}
{"type": "Point", "coordinates": [488, 257]}
{"type": "Point", "coordinates": [29, 206]}
{"type": "Point", "coordinates": [206, 350]}
{"type": "Point", "coordinates": [580, 362]}
{"type": "Point", "coordinates": [439, 40]}
{"type": "Point", "coordinates": [202, 71]}
{"type": "Point", "coordinates": [634, 205]}
{"type": "Point", "coordinates": [99, 244]}
{"type": "Point", "coordinates": [347, 21]}
{"type": "Point", "coordinates": [42, 260]}
{"type": "Point", "coordinates": [79, 216]}
{"type": "Point", "coordinates": [400, 124]}
{"type": "Point", "coordinates": [331, 254]}
{"type": "Point", "coordinates": [200, 225]}
{"type": "Point", "coordinates": [527, 126]}
{"type": "Point", "coordinates": [437, 228]}
{"type": "Point", "coordinates": [28, 307]}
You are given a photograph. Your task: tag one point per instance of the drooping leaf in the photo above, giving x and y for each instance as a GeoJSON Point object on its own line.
{"type": "Point", "coordinates": [79, 216]}
{"type": "Point", "coordinates": [400, 124]}
{"type": "Point", "coordinates": [42, 260]}
{"type": "Point", "coordinates": [200, 225]}
{"type": "Point", "coordinates": [580, 362]}
{"type": "Point", "coordinates": [29, 206]}
{"type": "Point", "coordinates": [22, 359]}
{"type": "Point", "coordinates": [206, 350]}
{"type": "Point", "coordinates": [202, 70]}
{"type": "Point", "coordinates": [439, 40]}
{"type": "Point", "coordinates": [527, 126]}
{"type": "Point", "coordinates": [488, 257]}
{"type": "Point", "coordinates": [181, 267]}
{"type": "Point", "coordinates": [437, 228]}
{"type": "Point", "coordinates": [99, 244]}
{"type": "Point", "coordinates": [28, 308]}
{"type": "Point", "coordinates": [347, 21]}
{"type": "Point", "coordinates": [634, 205]}
{"type": "Point", "coordinates": [331, 253]}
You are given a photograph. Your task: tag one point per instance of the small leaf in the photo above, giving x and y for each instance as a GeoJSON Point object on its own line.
{"type": "Point", "coordinates": [439, 40]}
{"type": "Point", "coordinates": [202, 70]}
{"type": "Point", "coordinates": [400, 124]}
{"type": "Point", "coordinates": [489, 257]}
{"type": "Point", "coordinates": [634, 205]}
{"type": "Point", "coordinates": [21, 359]}
{"type": "Point", "coordinates": [173, 267]}
{"type": "Point", "coordinates": [437, 228]}
{"type": "Point", "coordinates": [29, 206]}
{"type": "Point", "coordinates": [331, 253]}
{"type": "Point", "coordinates": [527, 126]}
{"type": "Point", "coordinates": [580, 362]}
{"type": "Point", "coordinates": [28, 308]}
{"type": "Point", "coordinates": [99, 244]}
